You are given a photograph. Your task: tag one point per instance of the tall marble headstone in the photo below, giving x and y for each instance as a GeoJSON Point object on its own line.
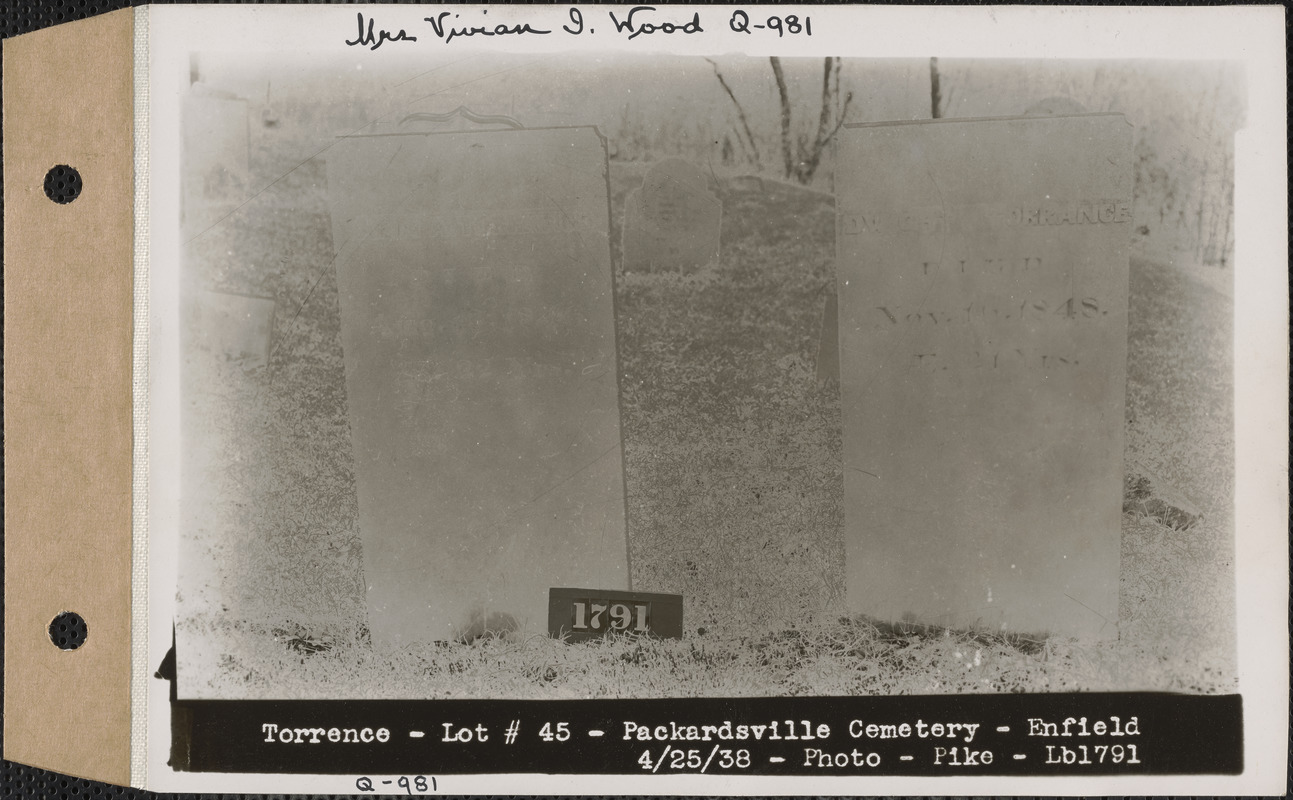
{"type": "Point", "coordinates": [671, 222]}
{"type": "Point", "coordinates": [478, 338]}
{"type": "Point", "coordinates": [982, 271]}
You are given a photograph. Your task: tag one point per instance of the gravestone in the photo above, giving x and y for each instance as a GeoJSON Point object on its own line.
{"type": "Point", "coordinates": [982, 276]}
{"type": "Point", "coordinates": [671, 223]}
{"type": "Point", "coordinates": [215, 156]}
{"type": "Point", "coordinates": [235, 327]}
{"type": "Point", "coordinates": [478, 339]}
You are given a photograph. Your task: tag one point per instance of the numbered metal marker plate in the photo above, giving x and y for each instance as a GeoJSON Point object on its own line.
{"type": "Point", "coordinates": [580, 614]}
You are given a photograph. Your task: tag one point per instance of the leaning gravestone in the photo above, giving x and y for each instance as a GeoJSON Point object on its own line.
{"type": "Point", "coordinates": [671, 223]}
{"type": "Point", "coordinates": [479, 345]}
{"type": "Point", "coordinates": [983, 338]}
{"type": "Point", "coordinates": [216, 150]}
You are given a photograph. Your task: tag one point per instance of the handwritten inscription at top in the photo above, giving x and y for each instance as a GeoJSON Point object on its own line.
{"type": "Point", "coordinates": [372, 41]}
{"type": "Point", "coordinates": [635, 26]}
{"type": "Point", "coordinates": [449, 32]}
{"type": "Point", "coordinates": [636, 21]}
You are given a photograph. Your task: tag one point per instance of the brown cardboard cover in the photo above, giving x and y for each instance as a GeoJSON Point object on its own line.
{"type": "Point", "coordinates": [67, 396]}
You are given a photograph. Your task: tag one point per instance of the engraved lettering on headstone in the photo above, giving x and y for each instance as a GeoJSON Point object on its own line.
{"type": "Point", "coordinates": [982, 305]}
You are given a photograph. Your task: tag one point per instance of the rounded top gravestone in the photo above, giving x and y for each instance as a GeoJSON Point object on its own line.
{"type": "Point", "coordinates": [673, 175]}
{"type": "Point", "coordinates": [672, 222]}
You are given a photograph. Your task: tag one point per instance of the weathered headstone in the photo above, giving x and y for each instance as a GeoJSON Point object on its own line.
{"type": "Point", "coordinates": [235, 327]}
{"type": "Point", "coordinates": [216, 156]}
{"type": "Point", "coordinates": [479, 345]}
{"type": "Point", "coordinates": [982, 270]}
{"type": "Point", "coordinates": [671, 223]}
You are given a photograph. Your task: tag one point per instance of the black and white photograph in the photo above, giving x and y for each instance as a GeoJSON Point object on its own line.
{"type": "Point", "coordinates": [898, 376]}
{"type": "Point", "coordinates": [492, 364]}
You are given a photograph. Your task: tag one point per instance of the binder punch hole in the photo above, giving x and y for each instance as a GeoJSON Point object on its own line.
{"type": "Point", "coordinates": [67, 631]}
{"type": "Point", "coordinates": [62, 184]}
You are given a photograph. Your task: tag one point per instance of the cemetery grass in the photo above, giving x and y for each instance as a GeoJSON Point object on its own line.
{"type": "Point", "coordinates": [732, 453]}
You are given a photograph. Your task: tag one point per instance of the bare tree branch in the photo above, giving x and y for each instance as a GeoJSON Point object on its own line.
{"type": "Point", "coordinates": [839, 110]}
{"type": "Point", "coordinates": [824, 119]}
{"type": "Point", "coordinates": [740, 114]}
{"type": "Point", "coordinates": [810, 158]}
{"type": "Point", "coordinates": [802, 153]}
{"type": "Point", "coordinates": [786, 156]}
{"type": "Point", "coordinates": [819, 149]}
{"type": "Point", "coordinates": [839, 123]}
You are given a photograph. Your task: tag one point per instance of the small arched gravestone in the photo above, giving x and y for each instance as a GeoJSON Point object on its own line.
{"type": "Point", "coordinates": [671, 223]}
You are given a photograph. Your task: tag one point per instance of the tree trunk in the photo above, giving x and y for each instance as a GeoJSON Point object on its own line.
{"type": "Point", "coordinates": [787, 156]}
{"type": "Point", "coordinates": [824, 119]}
{"type": "Point", "coordinates": [1228, 194]}
{"type": "Point", "coordinates": [740, 114]}
{"type": "Point", "coordinates": [935, 92]}
{"type": "Point", "coordinates": [800, 157]}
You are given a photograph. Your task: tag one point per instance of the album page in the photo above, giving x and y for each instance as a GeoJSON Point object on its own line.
{"type": "Point", "coordinates": [740, 400]}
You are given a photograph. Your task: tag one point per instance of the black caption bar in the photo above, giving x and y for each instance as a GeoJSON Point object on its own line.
{"type": "Point", "coordinates": [1026, 735]}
